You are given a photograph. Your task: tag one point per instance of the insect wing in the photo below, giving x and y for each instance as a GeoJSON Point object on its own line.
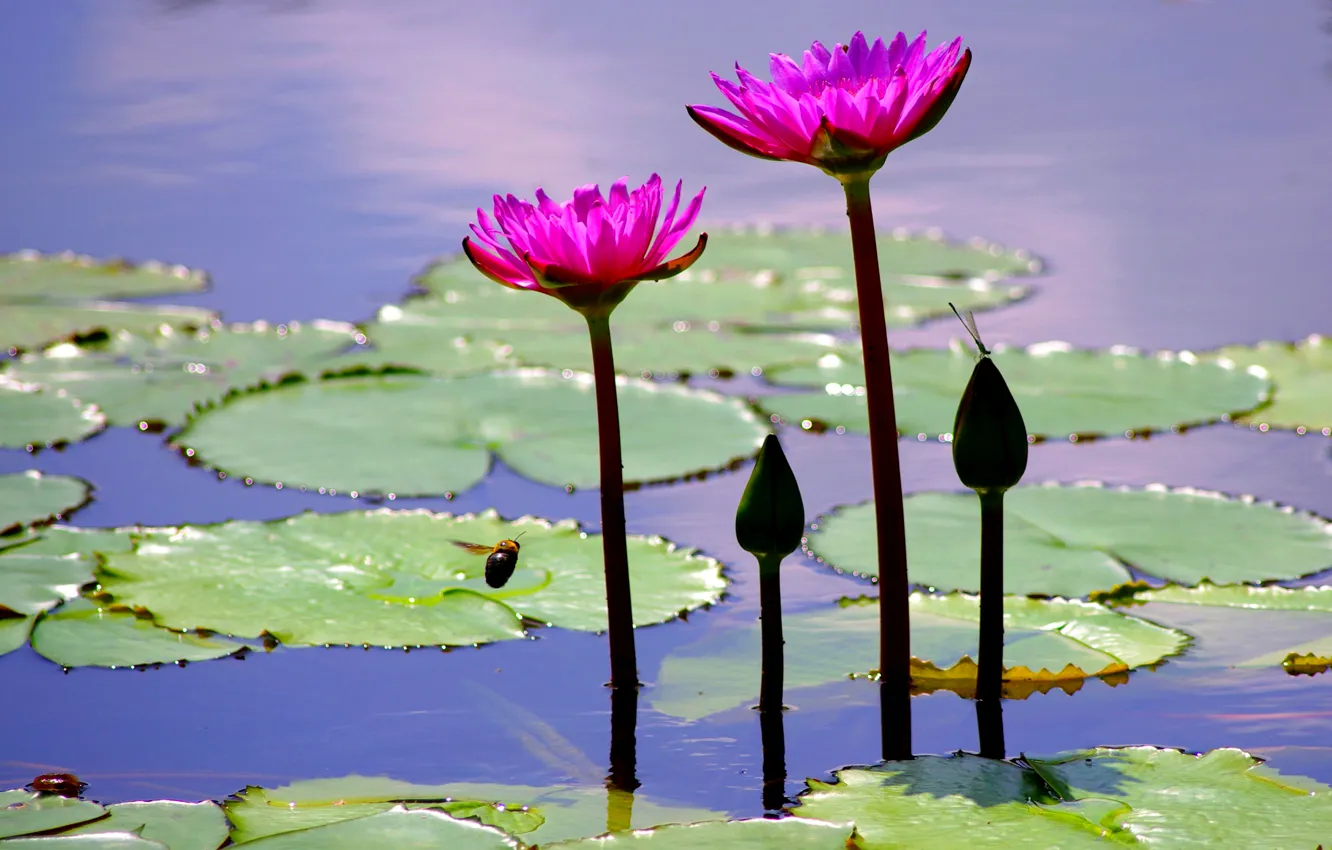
{"type": "Point", "coordinates": [969, 322]}
{"type": "Point", "coordinates": [474, 548]}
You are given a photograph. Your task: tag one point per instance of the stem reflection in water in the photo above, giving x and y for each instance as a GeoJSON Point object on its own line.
{"type": "Point", "coordinates": [623, 777]}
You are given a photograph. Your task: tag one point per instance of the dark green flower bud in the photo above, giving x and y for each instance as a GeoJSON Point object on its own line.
{"type": "Point", "coordinates": [771, 517]}
{"type": "Point", "coordinates": [989, 436]}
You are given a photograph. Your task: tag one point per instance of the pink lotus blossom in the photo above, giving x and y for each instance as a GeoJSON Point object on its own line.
{"type": "Point", "coordinates": [843, 110]}
{"type": "Point", "coordinates": [588, 252]}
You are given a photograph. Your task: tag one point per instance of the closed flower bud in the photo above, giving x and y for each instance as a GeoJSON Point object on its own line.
{"type": "Point", "coordinates": [989, 436]}
{"type": "Point", "coordinates": [771, 517]}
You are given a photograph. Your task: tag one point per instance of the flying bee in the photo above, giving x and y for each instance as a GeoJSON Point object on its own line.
{"type": "Point", "coordinates": [969, 322]}
{"type": "Point", "coordinates": [501, 560]}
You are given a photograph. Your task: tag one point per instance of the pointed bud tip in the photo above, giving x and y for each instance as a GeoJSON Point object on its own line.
{"type": "Point", "coordinates": [989, 435]}
{"type": "Point", "coordinates": [770, 519]}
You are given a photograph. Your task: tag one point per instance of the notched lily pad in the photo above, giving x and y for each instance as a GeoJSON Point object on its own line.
{"type": "Point", "coordinates": [1064, 393]}
{"type": "Point", "coordinates": [414, 435]}
{"type": "Point", "coordinates": [31, 497]}
{"type": "Point", "coordinates": [161, 377]}
{"type": "Point", "coordinates": [392, 578]}
{"type": "Point", "coordinates": [1073, 540]}
{"type": "Point", "coordinates": [81, 633]}
{"type": "Point", "coordinates": [25, 813]}
{"type": "Point", "coordinates": [171, 824]}
{"type": "Point", "coordinates": [1082, 799]}
{"type": "Point", "coordinates": [753, 834]}
{"type": "Point", "coordinates": [33, 418]}
{"type": "Point", "coordinates": [1301, 373]}
{"type": "Point", "coordinates": [1055, 643]}
{"type": "Point", "coordinates": [536, 815]}
{"type": "Point", "coordinates": [44, 298]}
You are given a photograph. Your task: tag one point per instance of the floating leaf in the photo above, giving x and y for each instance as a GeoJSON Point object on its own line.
{"type": "Point", "coordinates": [1301, 373]}
{"type": "Point", "coordinates": [537, 815]}
{"type": "Point", "coordinates": [397, 827]}
{"type": "Point", "coordinates": [1248, 635]}
{"type": "Point", "coordinates": [28, 497]}
{"type": "Point", "coordinates": [694, 323]}
{"type": "Point", "coordinates": [161, 377]}
{"type": "Point", "coordinates": [1062, 392]}
{"type": "Point", "coordinates": [14, 632]}
{"type": "Point", "coordinates": [1047, 644]}
{"type": "Point", "coordinates": [80, 634]}
{"type": "Point", "coordinates": [100, 841]}
{"type": "Point", "coordinates": [47, 298]}
{"type": "Point", "coordinates": [31, 417]}
{"type": "Point", "coordinates": [1071, 540]}
{"type": "Point", "coordinates": [177, 826]}
{"type": "Point", "coordinates": [755, 834]}
{"type": "Point", "coordinates": [392, 578]}
{"type": "Point", "coordinates": [1091, 799]}
{"type": "Point", "coordinates": [412, 435]}
{"type": "Point", "coordinates": [24, 813]}
{"type": "Point", "coordinates": [44, 571]}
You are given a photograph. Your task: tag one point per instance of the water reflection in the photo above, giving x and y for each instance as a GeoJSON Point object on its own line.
{"type": "Point", "coordinates": [622, 780]}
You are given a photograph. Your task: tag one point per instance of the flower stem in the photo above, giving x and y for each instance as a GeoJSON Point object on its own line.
{"type": "Point", "coordinates": [989, 678]}
{"type": "Point", "coordinates": [894, 613]}
{"type": "Point", "coordinates": [770, 616]}
{"type": "Point", "coordinates": [619, 601]}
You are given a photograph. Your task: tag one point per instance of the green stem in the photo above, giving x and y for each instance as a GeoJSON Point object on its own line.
{"type": "Point", "coordinates": [770, 616]}
{"type": "Point", "coordinates": [894, 611]}
{"type": "Point", "coordinates": [619, 601]}
{"type": "Point", "coordinates": [989, 678]}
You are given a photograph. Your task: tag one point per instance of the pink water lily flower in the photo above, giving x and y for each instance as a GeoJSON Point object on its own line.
{"type": "Point", "coordinates": [843, 110]}
{"type": "Point", "coordinates": [589, 252]}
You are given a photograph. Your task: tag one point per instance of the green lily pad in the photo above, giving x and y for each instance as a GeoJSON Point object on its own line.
{"type": "Point", "coordinates": [31, 417]}
{"type": "Point", "coordinates": [177, 826]}
{"type": "Point", "coordinates": [392, 578]}
{"type": "Point", "coordinates": [536, 815]}
{"type": "Point", "coordinates": [399, 828]}
{"type": "Point", "coordinates": [755, 834]}
{"type": "Point", "coordinates": [1248, 626]}
{"type": "Point", "coordinates": [49, 569]}
{"type": "Point", "coordinates": [1063, 392]}
{"type": "Point", "coordinates": [1095, 798]}
{"type": "Point", "coordinates": [48, 298]}
{"type": "Point", "coordinates": [1301, 373]}
{"type": "Point", "coordinates": [80, 634]}
{"type": "Point", "coordinates": [782, 282]}
{"type": "Point", "coordinates": [413, 435]}
{"type": "Point", "coordinates": [29, 497]}
{"type": "Point", "coordinates": [24, 813]}
{"type": "Point", "coordinates": [99, 841]}
{"type": "Point", "coordinates": [1047, 644]}
{"type": "Point", "coordinates": [162, 377]}
{"type": "Point", "coordinates": [1073, 540]}
{"type": "Point", "coordinates": [14, 632]}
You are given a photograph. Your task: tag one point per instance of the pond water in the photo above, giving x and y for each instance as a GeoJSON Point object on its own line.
{"type": "Point", "coordinates": [1169, 160]}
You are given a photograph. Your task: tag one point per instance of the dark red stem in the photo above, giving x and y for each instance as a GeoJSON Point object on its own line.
{"type": "Point", "coordinates": [619, 600]}
{"type": "Point", "coordinates": [989, 679]}
{"type": "Point", "coordinates": [770, 617]}
{"type": "Point", "coordinates": [894, 613]}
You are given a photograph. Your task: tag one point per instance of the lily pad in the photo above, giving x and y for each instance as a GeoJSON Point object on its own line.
{"type": "Point", "coordinates": [1092, 799]}
{"type": "Point", "coordinates": [781, 282]}
{"type": "Point", "coordinates": [99, 841]}
{"type": "Point", "coordinates": [29, 497]}
{"type": "Point", "coordinates": [31, 417]}
{"type": "Point", "coordinates": [161, 377]}
{"type": "Point", "coordinates": [1072, 540]}
{"type": "Point", "coordinates": [755, 834]}
{"type": "Point", "coordinates": [14, 632]}
{"type": "Point", "coordinates": [44, 571]}
{"type": "Point", "coordinates": [177, 826]}
{"type": "Point", "coordinates": [1063, 392]}
{"type": "Point", "coordinates": [536, 815]}
{"type": "Point", "coordinates": [1301, 373]}
{"type": "Point", "coordinates": [397, 828]}
{"type": "Point", "coordinates": [1047, 644]}
{"type": "Point", "coordinates": [25, 813]}
{"type": "Point", "coordinates": [44, 298]}
{"type": "Point", "coordinates": [81, 634]}
{"type": "Point", "coordinates": [413, 435]}
{"type": "Point", "coordinates": [392, 578]}
{"type": "Point", "coordinates": [1267, 626]}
